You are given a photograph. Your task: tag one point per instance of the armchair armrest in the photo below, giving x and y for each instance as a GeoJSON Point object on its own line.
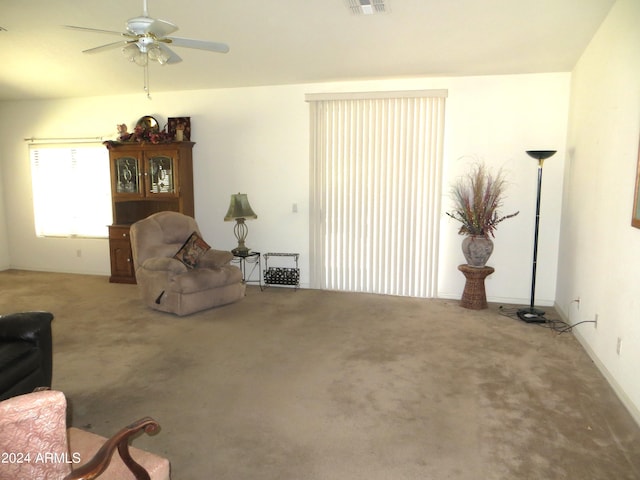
{"type": "Point", "coordinates": [213, 258]}
{"type": "Point", "coordinates": [164, 264]}
{"type": "Point", "coordinates": [34, 327]}
{"type": "Point", "coordinates": [30, 326]}
{"type": "Point", "coordinates": [101, 460]}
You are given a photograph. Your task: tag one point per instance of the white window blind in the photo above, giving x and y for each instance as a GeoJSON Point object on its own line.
{"type": "Point", "coordinates": [375, 191]}
{"type": "Point", "coordinates": [71, 190]}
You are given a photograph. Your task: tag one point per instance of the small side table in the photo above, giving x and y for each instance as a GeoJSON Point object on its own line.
{"type": "Point", "coordinates": [255, 262]}
{"type": "Point", "coordinates": [474, 296]}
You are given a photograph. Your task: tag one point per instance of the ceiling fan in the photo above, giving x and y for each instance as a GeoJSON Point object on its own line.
{"type": "Point", "coordinates": [147, 39]}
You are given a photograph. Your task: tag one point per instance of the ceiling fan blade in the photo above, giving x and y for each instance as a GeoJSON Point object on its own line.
{"type": "Point", "coordinates": [97, 30]}
{"type": "Point", "coordinates": [173, 57]}
{"type": "Point", "coordinates": [103, 48]}
{"type": "Point", "coordinates": [161, 28]}
{"type": "Point", "coordinates": [199, 44]}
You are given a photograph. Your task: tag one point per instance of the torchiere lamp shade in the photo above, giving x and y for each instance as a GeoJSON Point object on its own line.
{"type": "Point", "coordinates": [541, 154]}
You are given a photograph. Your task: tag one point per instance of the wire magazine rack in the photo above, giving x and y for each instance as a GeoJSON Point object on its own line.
{"type": "Point", "coordinates": [281, 275]}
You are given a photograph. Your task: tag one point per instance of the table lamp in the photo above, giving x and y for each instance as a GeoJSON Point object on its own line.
{"type": "Point", "coordinates": [240, 210]}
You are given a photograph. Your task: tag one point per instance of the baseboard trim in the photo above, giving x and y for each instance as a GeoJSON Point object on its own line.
{"type": "Point", "coordinates": [511, 301]}
{"type": "Point", "coordinates": [54, 270]}
{"type": "Point", "coordinates": [619, 391]}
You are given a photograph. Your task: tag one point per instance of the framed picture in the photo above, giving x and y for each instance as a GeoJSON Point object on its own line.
{"type": "Point", "coordinates": [179, 123]}
{"type": "Point", "coordinates": [635, 219]}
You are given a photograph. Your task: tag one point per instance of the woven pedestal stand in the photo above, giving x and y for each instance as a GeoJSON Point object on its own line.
{"type": "Point", "coordinates": [474, 296]}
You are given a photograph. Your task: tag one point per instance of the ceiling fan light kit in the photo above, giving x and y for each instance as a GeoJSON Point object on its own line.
{"type": "Point", "coordinates": [146, 39]}
{"type": "Point", "coordinates": [156, 53]}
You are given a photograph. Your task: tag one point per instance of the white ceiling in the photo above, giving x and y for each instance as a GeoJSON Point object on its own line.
{"type": "Point", "coordinates": [288, 41]}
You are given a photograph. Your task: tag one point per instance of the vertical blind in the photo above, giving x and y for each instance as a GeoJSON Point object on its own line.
{"type": "Point", "coordinates": [71, 190]}
{"type": "Point", "coordinates": [375, 191]}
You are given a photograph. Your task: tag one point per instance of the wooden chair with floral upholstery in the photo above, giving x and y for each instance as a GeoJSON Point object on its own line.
{"type": "Point", "coordinates": [36, 444]}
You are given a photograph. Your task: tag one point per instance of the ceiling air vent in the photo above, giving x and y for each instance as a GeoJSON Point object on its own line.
{"type": "Point", "coordinates": [367, 7]}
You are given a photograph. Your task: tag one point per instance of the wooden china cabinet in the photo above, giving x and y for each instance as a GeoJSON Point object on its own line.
{"type": "Point", "coordinates": [145, 178]}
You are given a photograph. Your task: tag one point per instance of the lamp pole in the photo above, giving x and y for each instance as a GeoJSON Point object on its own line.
{"type": "Point", "coordinates": [532, 314]}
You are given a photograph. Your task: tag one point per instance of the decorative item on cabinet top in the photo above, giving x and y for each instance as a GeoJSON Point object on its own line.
{"type": "Point", "coordinates": [147, 130]}
{"type": "Point", "coordinates": [179, 128]}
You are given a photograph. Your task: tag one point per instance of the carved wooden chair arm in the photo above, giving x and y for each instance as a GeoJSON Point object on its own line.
{"type": "Point", "coordinates": [100, 461]}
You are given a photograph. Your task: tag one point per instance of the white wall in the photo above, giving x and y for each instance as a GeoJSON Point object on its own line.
{"type": "Point", "coordinates": [5, 259]}
{"type": "Point", "coordinates": [599, 250]}
{"type": "Point", "coordinates": [256, 141]}
{"type": "Point", "coordinates": [497, 119]}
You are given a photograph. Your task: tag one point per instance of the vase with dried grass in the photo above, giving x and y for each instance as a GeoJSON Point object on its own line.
{"type": "Point", "coordinates": [477, 197]}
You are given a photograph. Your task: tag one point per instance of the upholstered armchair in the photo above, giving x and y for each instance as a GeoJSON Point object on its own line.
{"type": "Point", "coordinates": [36, 444]}
{"type": "Point", "coordinates": [176, 270]}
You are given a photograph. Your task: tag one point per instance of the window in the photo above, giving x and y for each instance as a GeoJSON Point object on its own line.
{"type": "Point", "coordinates": [71, 190]}
{"type": "Point", "coordinates": [375, 191]}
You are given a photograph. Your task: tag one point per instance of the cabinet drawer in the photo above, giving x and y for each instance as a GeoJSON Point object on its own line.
{"type": "Point", "coordinates": [119, 232]}
{"type": "Point", "coordinates": [122, 269]}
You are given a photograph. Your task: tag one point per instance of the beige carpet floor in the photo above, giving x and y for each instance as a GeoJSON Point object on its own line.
{"type": "Point", "coordinates": [308, 384]}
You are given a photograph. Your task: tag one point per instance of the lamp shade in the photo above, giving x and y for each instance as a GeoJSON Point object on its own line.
{"type": "Point", "coordinates": [541, 154]}
{"type": "Point", "coordinates": [239, 208]}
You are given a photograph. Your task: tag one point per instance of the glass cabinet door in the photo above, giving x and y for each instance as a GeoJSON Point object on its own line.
{"type": "Point", "coordinates": [127, 175]}
{"type": "Point", "coordinates": [161, 174]}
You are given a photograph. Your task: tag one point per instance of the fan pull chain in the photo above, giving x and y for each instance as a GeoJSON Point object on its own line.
{"type": "Point", "coordinates": [146, 80]}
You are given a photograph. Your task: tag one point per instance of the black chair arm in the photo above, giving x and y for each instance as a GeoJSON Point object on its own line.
{"type": "Point", "coordinates": [34, 327]}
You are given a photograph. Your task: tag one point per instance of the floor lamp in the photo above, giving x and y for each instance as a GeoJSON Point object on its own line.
{"type": "Point", "coordinates": [531, 314]}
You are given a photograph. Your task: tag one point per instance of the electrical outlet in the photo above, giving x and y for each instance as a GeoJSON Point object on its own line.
{"type": "Point", "coordinates": [618, 345]}
{"type": "Point", "coordinates": [577, 300]}
{"type": "Point", "coordinates": [78, 253]}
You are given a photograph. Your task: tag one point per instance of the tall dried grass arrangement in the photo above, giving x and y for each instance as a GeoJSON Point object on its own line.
{"type": "Point", "coordinates": [477, 197]}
